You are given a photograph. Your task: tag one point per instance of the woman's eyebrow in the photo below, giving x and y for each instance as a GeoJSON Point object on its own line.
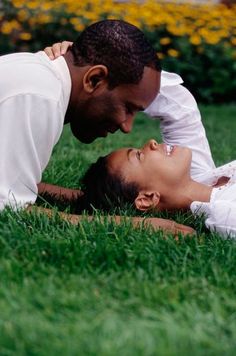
{"type": "Point", "coordinates": [129, 152]}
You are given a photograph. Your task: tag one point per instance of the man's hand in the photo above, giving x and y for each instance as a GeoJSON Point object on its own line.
{"type": "Point", "coordinates": [57, 49]}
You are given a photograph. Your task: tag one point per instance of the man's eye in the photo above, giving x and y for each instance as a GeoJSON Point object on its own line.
{"type": "Point", "coordinates": [128, 110]}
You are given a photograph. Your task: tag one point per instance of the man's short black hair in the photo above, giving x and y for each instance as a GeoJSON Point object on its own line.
{"type": "Point", "coordinates": [118, 45]}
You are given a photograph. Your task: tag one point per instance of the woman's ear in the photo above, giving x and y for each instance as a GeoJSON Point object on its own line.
{"type": "Point", "coordinates": [95, 77]}
{"type": "Point", "coordinates": [147, 200]}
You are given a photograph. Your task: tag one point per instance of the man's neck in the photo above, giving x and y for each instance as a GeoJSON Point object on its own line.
{"type": "Point", "coordinates": [77, 94]}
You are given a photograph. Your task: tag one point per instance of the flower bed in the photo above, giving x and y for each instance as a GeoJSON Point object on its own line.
{"type": "Point", "coordinates": [196, 41]}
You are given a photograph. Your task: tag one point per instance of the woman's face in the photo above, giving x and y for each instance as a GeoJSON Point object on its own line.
{"type": "Point", "coordinates": [154, 167]}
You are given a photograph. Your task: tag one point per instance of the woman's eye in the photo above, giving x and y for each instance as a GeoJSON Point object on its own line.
{"type": "Point", "coordinates": [138, 155]}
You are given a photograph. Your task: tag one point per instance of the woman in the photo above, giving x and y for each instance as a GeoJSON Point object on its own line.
{"type": "Point", "coordinates": [157, 178]}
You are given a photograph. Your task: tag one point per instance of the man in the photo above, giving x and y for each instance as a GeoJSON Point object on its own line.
{"type": "Point", "coordinates": [110, 73]}
{"type": "Point", "coordinates": [111, 67]}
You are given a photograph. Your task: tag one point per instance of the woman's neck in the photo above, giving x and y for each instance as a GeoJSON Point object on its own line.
{"type": "Point", "coordinates": [185, 195]}
{"type": "Point", "coordinates": [197, 191]}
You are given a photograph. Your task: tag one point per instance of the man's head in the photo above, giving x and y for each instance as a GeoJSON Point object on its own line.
{"type": "Point", "coordinates": [115, 73]}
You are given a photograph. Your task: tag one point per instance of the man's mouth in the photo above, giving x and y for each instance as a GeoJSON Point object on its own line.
{"type": "Point", "coordinates": [104, 134]}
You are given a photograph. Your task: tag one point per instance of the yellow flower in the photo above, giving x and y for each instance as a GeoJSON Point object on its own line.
{"type": "Point", "coordinates": [25, 36]}
{"type": "Point", "coordinates": [173, 53]}
{"type": "Point", "coordinates": [33, 4]}
{"type": "Point", "coordinates": [18, 3]}
{"type": "Point", "coordinates": [165, 41]}
{"type": "Point", "coordinates": [195, 40]}
{"type": "Point", "coordinates": [23, 15]}
{"type": "Point", "coordinates": [233, 41]}
{"type": "Point", "coordinates": [212, 39]}
{"type": "Point", "coordinates": [9, 26]}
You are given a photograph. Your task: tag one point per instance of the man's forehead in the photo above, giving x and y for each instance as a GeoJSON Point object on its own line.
{"type": "Point", "coordinates": [149, 85]}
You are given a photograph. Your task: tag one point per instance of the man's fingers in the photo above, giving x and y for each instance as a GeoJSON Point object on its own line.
{"type": "Point", "coordinates": [65, 45]}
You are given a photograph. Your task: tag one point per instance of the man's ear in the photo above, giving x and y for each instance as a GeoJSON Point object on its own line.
{"type": "Point", "coordinates": [95, 77]}
{"type": "Point", "coordinates": [147, 200]}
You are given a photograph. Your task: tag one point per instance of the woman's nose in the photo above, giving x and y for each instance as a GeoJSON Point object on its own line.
{"type": "Point", "coordinates": [152, 144]}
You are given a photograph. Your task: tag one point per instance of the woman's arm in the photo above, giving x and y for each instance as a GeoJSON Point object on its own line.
{"type": "Point", "coordinates": [57, 49]}
{"type": "Point", "coordinates": [58, 193]}
{"type": "Point", "coordinates": [166, 225]}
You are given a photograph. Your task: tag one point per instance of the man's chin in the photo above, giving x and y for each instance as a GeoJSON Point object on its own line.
{"type": "Point", "coordinates": [85, 139]}
{"type": "Point", "coordinates": [81, 136]}
{"type": "Point", "coordinates": [90, 139]}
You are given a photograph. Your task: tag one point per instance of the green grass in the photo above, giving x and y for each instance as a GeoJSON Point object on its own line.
{"type": "Point", "coordinates": [102, 289]}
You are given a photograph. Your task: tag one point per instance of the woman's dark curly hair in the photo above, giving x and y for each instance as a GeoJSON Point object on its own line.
{"type": "Point", "coordinates": [118, 45]}
{"type": "Point", "coordinates": [105, 190]}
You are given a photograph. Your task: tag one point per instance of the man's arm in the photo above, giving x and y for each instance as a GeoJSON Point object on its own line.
{"type": "Point", "coordinates": [27, 137]}
{"type": "Point", "coordinates": [181, 124]}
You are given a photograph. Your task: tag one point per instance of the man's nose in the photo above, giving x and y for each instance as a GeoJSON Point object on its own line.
{"type": "Point", "coordinates": [127, 125]}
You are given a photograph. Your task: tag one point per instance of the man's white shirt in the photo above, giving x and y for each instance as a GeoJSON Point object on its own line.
{"type": "Point", "coordinates": [181, 124]}
{"type": "Point", "coordinates": [34, 95]}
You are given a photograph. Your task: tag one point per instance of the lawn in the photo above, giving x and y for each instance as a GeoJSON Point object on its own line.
{"type": "Point", "coordinates": [102, 289]}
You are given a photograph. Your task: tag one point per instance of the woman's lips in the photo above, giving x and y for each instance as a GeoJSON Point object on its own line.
{"type": "Point", "coordinates": [169, 149]}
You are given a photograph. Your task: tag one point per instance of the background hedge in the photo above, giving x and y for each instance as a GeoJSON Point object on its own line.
{"type": "Point", "coordinates": [196, 41]}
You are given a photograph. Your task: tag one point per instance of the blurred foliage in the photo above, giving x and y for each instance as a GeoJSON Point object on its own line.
{"type": "Point", "coordinates": [198, 41]}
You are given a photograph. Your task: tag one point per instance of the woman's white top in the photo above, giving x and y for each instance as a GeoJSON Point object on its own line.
{"type": "Point", "coordinates": [220, 212]}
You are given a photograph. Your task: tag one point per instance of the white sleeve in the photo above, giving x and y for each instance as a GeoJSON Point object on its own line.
{"type": "Point", "coordinates": [220, 216]}
{"type": "Point", "coordinates": [30, 126]}
{"type": "Point", "coordinates": [180, 123]}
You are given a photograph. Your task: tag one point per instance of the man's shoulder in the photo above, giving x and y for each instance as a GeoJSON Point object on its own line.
{"type": "Point", "coordinates": [28, 73]}
{"type": "Point", "coordinates": [170, 79]}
